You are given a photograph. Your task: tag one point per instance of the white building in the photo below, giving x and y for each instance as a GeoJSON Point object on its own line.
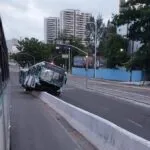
{"type": "Point", "coordinates": [73, 23]}
{"type": "Point", "coordinates": [51, 29]}
{"type": "Point", "coordinates": [12, 46]}
{"type": "Point", "coordinates": [120, 5]}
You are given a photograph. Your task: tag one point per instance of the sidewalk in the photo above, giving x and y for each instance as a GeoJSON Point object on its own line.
{"type": "Point", "coordinates": [138, 85]}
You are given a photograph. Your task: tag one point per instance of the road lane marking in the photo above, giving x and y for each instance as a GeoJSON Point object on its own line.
{"type": "Point", "coordinates": [135, 123]}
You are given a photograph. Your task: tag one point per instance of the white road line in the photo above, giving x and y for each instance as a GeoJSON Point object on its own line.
{"type": "Point", "coordinates": [135, 123]}
{"type": "Point", "coordinates": [105, 109]}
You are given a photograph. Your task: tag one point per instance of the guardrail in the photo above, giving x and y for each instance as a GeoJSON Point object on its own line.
{"type": "Point", "coordinates": [100, 132]}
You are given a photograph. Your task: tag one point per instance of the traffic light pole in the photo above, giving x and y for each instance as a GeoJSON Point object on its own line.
{"type": "Point", "coordinates": [95, 56]}
{"type": "Point", "coordinates": [95, 45]}
{"type": "Point", "coordinates": [69, 62]}
{"type": "Point", "coordinates": [77, 49]}
{"type": "Point", "coordinates": [87, 66]}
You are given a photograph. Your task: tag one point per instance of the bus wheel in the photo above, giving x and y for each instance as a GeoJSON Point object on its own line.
{"type": "Point", "coordinates": [58, 94]}
{"type": "Point", "coordinates": [28, 89]}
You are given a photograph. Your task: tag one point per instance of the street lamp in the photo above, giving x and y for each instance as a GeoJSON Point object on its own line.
{"type": "Point", "coordinates": [57, 47]}
{"type": "Point", "coordinates": [55, 57]}
{"type": "Point", "coordinates": [121, 50]}
{"type": "Point", "coordinates": [69, 61]}
{"type": "Point", "coordinates": [95, 23]}
{"type": "Point", "coordinates": [87, 65]}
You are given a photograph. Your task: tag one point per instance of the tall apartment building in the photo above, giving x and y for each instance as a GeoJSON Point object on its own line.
{"type": "Point", "coordinates": [51, 29]}
{"type": "Point", "coordinates": [121, 5]}
{"type": "Point", "coordinates": [73, 23]}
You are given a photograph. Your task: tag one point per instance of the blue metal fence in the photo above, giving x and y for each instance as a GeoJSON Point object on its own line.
{"type": "Point", "coordinates": [109, 74]}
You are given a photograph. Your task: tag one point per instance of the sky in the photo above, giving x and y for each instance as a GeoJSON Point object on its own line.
{"type": "Point", "coordinates": [25, 18]}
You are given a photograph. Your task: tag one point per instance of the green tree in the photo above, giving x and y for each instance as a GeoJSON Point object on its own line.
{"type": "Point", "coordinates": [77, 43]}
{"type": "Point", "coordinates": [141, 61]}
{"type": "Point", "coordinates": [113, 47]}
{"type": "Point", "coordinates": [115, 51]}
{"type": "Point", "coordinates": [32, 47]}
{"type": "Point", "coordinates": [109, 30]}
{"type": "Point", "coordinates": [90, 30]}
{"type": "Point", "coordinates": [136, 14]}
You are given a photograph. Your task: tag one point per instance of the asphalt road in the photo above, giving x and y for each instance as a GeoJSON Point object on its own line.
{"type": "Point", "coordinates": [33, 127]}
{"type": "Point", "coordinates": [133, 118]}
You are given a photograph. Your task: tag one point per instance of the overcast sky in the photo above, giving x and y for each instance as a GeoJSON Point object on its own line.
{"type": "Point", "coordinates": [25, 18]}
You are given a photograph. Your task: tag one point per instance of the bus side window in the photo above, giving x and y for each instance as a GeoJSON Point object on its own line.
{"type": "Point", "coordinates": [28, 72]}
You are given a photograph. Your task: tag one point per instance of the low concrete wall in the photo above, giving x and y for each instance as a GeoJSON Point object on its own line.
{"type": "Point", "coordinates": [102, 133]}
{"type": "Point", "coordinates": [109, 74]}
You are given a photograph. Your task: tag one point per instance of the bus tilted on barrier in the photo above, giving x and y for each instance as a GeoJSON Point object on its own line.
{"type": "Point", "coordinates": [43, 76]}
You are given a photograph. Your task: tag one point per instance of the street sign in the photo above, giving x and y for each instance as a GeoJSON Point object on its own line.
{"type": "Point", "coordinates": [65, 56]}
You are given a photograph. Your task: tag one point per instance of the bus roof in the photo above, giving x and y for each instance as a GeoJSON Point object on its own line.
{"type": "Point", "coordinates": [48, 65]}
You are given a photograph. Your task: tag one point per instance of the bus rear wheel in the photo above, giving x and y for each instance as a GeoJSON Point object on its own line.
{"type": "Point", "coordinates": [28, 89]}
{"type": "Point", "coordinates": [58, 94]}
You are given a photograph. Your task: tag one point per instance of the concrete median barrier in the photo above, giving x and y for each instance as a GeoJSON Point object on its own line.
{"type": "Point", "coordinates": [100, 132]}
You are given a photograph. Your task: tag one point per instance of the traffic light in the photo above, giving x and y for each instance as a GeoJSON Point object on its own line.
{"type": "Point", "coordinates": [62, 49]}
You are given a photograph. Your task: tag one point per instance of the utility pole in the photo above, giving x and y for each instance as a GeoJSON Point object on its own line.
{"type": "Point", "coordinates": [86, 67]}
{"type": "Point", "coordinates": [70, 53]}
{"type": "Point", "coordinates": [66, 64]}
{"type": "Point", "coordinates": [95, 45]}
{"type": "Point", "coordinates": [95, 49]}
{"type": "Point", "coordinates": [132, 50]}
{"type": "Point", "coordinates": [69, 61]}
